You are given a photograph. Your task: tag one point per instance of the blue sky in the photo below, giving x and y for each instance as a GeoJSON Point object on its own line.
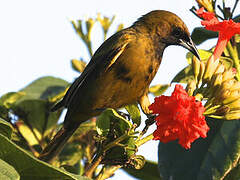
{"type": "Point", "coordinates": [37, 39]}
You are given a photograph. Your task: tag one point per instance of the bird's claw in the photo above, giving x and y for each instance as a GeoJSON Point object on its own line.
{"type": "Point", "coordinates": [148, 122]}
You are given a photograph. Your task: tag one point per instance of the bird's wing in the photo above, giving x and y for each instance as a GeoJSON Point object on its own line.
{"type": "Point", "coordinates": [107, 55]}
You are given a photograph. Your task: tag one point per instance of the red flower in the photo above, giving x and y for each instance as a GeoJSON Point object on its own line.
{"type": "Point", "coordinates": [179, 116]}
{"type": "Point", "coordinates": [226, 29]}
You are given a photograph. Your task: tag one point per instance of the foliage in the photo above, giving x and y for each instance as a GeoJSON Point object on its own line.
{"type": "Point", "coordinates": [112, 139]}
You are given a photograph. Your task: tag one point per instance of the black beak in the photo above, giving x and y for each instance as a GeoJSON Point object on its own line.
{"type": "Point", "coordinates": [190, 46]}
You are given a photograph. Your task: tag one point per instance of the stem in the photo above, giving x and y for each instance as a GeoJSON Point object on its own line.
{"type": "Point", "coordinates": [144, 140]}
{"type": "Point", "coordinates": [234, 54]}
{"type": "Point", "coordinates": [108, 172]}
{"type": "Point", "coordinates": [98, 158]}
{"type": "Point", "coordinates": [89, 47]}
{"type": "Point", "coordinates": [90, 170]}
{"type": "Point", "coordinates": [234, 7]}
{"type": "Point", "coordinates": [222, 11]}
{"type": "Point", "coordinates": [116, 141]}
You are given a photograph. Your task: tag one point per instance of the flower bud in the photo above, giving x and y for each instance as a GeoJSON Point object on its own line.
{"type": "Point", "coordinates": [207, 4]}
{"type": "Point", "coordinates": [211, 67]}
{"type": "Point", "coordinates": [78, 65]}
{"type": "Point", "coordinates": [223, 91]}
{"type": "Point", "coordinates": [233, 96]}
{"type": "Point", "coordinates": [227, 84]}
{"type": "Point", "coordinates": [191, 86]}
{"type": "Point", "coordinates": [222, 110]}
{"type": "Point", "coordinates": [225, 94]}
{"type": "Point", "coordinates": [227, 75]}
{"type": "Point", "coordinates": [220, 69]}
{"type": "Point", "coordinates": [196, 67]}
{"type": "Point", "coordinates": [235, 86]}
{"type": "Point", "coordinates": [235, 105]}
{"type": "Point", "coordinates": [89, 24]}
{"type": "Point", "coordinates": [232, 115]}
{"type": "Point", "coordinates": [216, 80]}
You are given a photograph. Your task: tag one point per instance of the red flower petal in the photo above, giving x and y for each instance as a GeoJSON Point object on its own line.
{"type": "Point", "coordinates": [205, 15]}
{"type": "Point", "coordinates": [226, 29]}
{"type": "Point", "coordinates": [179, 116]}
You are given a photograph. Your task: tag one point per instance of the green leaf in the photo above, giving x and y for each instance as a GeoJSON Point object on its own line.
{"type": "Point", "coordinates": [159, 89]}
{"type": "Point", "coordinates": [134, 112]}
{"type": "Point", "coordinates": [7, 172]}
{"type": "Point", "coordinates": [148, 172]}
{"type": "Point", "coordinates": [28, 134]}
{"type": "Point", "coordinates": [118, 126]}
{"type": "Point", "coordinates": [204, 55]}
{"type": "Point", "coordinates": [71, 154]}
{"type": "Point", "coordinates": [7, 100]}
{"type": "Point", "coordinates": [103, 123]}
{"type": "Point", "coordinates": [6, 128]}
{"type": "Point", "coordinates": [184, 76]}
{"type": "Point", "coordinates": [44, 88]}
{"type": "Point", "coordinates": [4, 112]}
{"type": "Point", "coordinates": [34, 108]}
{"type": "Point", "coordinates": [200, 34]}
{"type": "Point", "coordinates": [28, 166]}
{"type": "Point", "coordinates": [84, 128]}
{"type": "Point", "coordinates": [211, 158]}
{"type": "Point", "coordinates": [70, 158]}
{"type": "Point", "coordinates": [110, 115]}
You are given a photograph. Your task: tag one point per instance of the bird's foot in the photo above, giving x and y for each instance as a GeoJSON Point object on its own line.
{"type": "Point", "coordinates": [148, 122]}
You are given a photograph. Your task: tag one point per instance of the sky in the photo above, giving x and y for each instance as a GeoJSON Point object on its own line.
{"type": "Point", "coordinates": [37, 39]}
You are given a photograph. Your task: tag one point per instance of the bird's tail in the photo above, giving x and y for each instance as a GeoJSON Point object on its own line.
{"type": "Point", "coordinates": [57, 143]}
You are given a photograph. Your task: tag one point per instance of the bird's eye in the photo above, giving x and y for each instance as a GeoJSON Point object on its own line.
{"type": "Point", "coordinates": [177, 32]}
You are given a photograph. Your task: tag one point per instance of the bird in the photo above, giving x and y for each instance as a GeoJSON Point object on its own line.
{"type": "Point", "coordinates": [120, 72]}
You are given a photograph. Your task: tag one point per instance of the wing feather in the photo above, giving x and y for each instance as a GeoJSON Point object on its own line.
{"type": "Point", "coordinates": [108, 53]}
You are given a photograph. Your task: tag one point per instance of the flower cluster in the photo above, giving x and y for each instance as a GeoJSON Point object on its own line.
{"type": "Point", "coordinates": [179, 116]}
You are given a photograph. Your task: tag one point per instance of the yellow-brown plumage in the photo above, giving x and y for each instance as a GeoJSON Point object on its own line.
{"type": "Point", "coordinates": [120, 72]}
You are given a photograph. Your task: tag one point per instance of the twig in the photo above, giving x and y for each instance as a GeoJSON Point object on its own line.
{"type": "Point", "coordinates": [107, 172]}
{"type": "Point", "coordinates": [234, 7]}
{"type": "Point", "coordinates": [96, 161]}
{"type": "Point", "coordinates": [234, 54]}
{"type": "Point", "coordinates": [144, 140]}
{"type": "Point", "coordinates": [148, 123]}
{"type": "Point", "coordinates": [219, 7]}
{"type": "Point", "coordinates": [115, 142]}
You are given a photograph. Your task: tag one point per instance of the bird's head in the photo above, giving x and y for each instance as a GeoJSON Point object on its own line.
{"type": "Point", "coordinates": [168, 29]}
